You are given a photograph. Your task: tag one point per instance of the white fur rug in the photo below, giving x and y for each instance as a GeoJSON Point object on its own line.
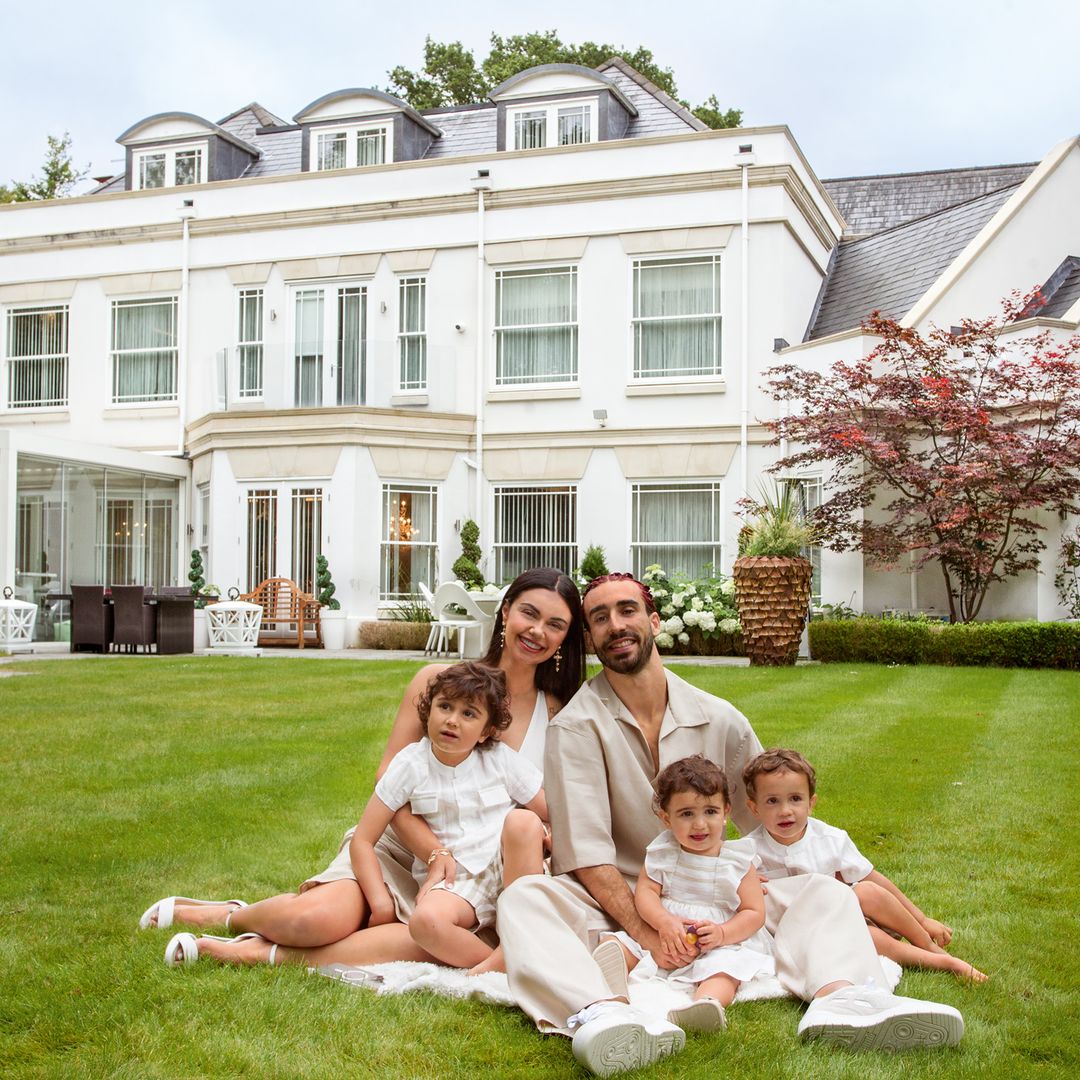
{"type": "Point", "coordinates": [653, 993]}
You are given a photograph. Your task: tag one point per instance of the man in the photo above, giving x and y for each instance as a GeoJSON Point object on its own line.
{"type": "Point", "coordinates": [603, 751]}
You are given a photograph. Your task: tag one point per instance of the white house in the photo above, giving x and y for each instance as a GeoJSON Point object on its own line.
{"type": "Point", "coordinates": [548, 312]}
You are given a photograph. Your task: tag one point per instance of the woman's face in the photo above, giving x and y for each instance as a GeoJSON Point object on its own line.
{"type": "Point", "coordinates": [535, 624]}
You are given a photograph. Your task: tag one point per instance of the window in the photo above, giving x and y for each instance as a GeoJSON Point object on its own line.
{"type": "Point", "coordinates": [137, 522]}
{"type": "Point", "coordinates": [350, 147]}
{"type": "Point", "coordinates": [412, 334]}
{"type": "Point", "coordinates": [677, 526]}
{"type": "Point", "coordinates": [534, 526]}
{"type": "Point", "coordinates": [809, 493]}
{"type": "Point", "coordinates": [249, 336]}
{"type": "Point", "coordinates": [677, 317]}
{"type": "Point", "coordinates": [330, 345]}
{"type": "Point", "coordinates": [203, 515]}
{"type": "Point", "coordinates": [409, 548]}
{"type": "Point", "coordinates": [37, 356]}
{"type": "Point", "coordinates": [555, 124]}
{"type": "Point", "coordinates": [144, 350]}
{"type": "Point", "coordinates": [536, 332]}
{"type": "Point", "coordinates": [172, 166]}
{"type": "Point", "coordinates": [288, 548]}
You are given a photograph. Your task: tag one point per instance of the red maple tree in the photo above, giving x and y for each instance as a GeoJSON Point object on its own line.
{"type": "Point", "coordinates": [945, 445]}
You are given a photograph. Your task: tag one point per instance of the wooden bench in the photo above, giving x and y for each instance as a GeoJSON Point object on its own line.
{"type": "Point", "coordinates": [286, 608]}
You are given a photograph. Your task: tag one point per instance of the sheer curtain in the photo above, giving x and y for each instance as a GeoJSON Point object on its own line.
{"type": "Point", "coordinates": [262, 536]}
{"type": "Point", "coordinates": [536, 328]}
{"type": "Point", "coordinates": [352, 315]}
{"type": "Point", "coordinates": [677, 317]}
{"type": "Point", "coordinates": [306, 536]}
{"type": "Point", "coordinates": [331, 151]}
{"type": "Point", "coordinates": [677, 526]}
{"type": "Point", "coordinates": [308, 349]}
{"type": "Point", "coordinates": [37, 348]}
{"type": "Point", "coordinates": [371, 146]}
{"type": "Point", "coordinates": [408, 549]}
{"type": "Point", "coordinates": [412, 336]}
{"type": "Point", "coordinates": [144, 350]}
{"type": "Point", "coordinates": [249, 336]}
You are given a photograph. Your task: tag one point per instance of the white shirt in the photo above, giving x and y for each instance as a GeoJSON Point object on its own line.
{"type": "Point", "coordinates": [823, 849]}
{"type": "Point", "coordinates": [464, 804]}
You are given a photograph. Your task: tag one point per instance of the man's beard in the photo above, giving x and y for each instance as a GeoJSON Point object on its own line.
{"type": "Point", "coordinates": [628, 663]}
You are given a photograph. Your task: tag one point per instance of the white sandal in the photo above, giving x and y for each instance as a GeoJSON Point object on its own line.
{"type": "Point", "coordinates": [183, 949]}
{"type": "Point", "coordinates": [165, 910]}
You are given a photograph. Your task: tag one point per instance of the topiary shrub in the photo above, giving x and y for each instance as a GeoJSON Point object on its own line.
{"type": "Point", "coordinates": [195, 576]}
{"type": "Point", "coordinates": [324, 585]}
{"type": "Point", "coordinates": [466, 568]}
{"type": "Point", "coordinates": [594, 564]}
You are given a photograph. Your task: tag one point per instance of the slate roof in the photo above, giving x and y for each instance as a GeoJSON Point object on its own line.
{"type": "Point", "coordinates": [469, 129]}
{"type": "Point", "coordinates": [890, 270]}
{"type": "Point", "coordinates": [1060, 291]}
{"type": "Point", "coordinates": [870, 204]}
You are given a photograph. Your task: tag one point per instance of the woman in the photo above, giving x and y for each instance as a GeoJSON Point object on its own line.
{"type": "Point", "coordinates": [538, 642]}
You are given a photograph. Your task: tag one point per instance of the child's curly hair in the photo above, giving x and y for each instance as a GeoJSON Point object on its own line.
{"type": "Point", "coordinates": [777, 759]}
{"type": "Point", "coordinates": [695, 773]}
{"type": "Point", "coordinates": [470, 681]}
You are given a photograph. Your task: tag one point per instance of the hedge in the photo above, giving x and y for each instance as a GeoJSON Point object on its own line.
{"type": "Point", "coordinates": [985, 644]}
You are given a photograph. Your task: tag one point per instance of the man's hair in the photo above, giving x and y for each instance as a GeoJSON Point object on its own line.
{"type": "Point", "coordinates": [596, 582]}
{"type": "Point", "coordinates": [470, 682]}
{"type": "Point", "coordinates": [777, 759]}
{"type": "Point", "coordinates": [695, 773]}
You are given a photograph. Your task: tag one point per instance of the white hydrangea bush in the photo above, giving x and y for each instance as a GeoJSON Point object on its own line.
{"type": "Point", "coordinates": [704, 605]}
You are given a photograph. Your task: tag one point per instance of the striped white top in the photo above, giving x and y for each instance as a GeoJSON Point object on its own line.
{"type": "Point", "coordinates": [822, 849]}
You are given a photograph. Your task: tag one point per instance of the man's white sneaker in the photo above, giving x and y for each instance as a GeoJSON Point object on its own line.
{"type": "Point", "coordinates": [610, 1037]}
{"type": "Point", "coordinates": [869, 1018]}
{"type": "Point", "coordinates": [705, 1014]}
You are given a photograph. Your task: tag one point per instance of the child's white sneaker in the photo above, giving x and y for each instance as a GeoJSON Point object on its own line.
{"type": "Point", "coordinates": [869, 1018]}
{"type": "Point", "coordinates": [705, 1014]}
{"type": "Point", "coordinates": [610, 1037]}
{"type": "Point", "coordinates": [612, 963]}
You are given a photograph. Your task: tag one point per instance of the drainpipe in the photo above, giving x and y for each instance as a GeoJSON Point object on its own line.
{"type": "Point", "coordinates": [186, 213]}
{"type": "Point", "coordinates": [480, 183]}
{"type": "Point", "coordinates": [743, 160]}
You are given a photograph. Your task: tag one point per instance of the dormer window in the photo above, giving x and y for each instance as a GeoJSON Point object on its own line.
{"type": "Point", "coordinates": [172, 166]}
{"type": "Point", "coordinates": [350, 147]}
{"type": "Point", "coordinates": [560, 123]}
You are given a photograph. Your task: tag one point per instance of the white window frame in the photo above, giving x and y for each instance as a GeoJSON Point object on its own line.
{"type": "Point", "coordinates": [637, 321]}
{"type": "Point", "coordinates": [331, 391]}
{"type": "Point", "coordinates": [814, 487]}
{"type": "Point", "coordinates": [169, 153]}
{"type": "Point", "coordinates": [713, 488]}
{"type": "Point", "coordinates": [412, 338]}
{"type": "Point", "coordinates": [551, 111]}
{"type": "Point", "coordinates": [557, 535]}
{"type": "Point", "coordinates": [173, 349]}
{"type": "Point", "coordinates": [38, 368]}
{"type": "Point", "coordinates": [250, 352]}
{"type": "Point", "coordinates": [352, 133]}
{"type": "Point", "coordinates": [390, 544]}
{"type": "Point", "coordinates": [562, 379]}
{"type": "Point", "coordinates": [202, 517]}
{"type": "Point", "coordinates": [288, 547]}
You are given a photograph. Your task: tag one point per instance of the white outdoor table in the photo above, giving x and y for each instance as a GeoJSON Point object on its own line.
{"type": "Point", "coordinates": [16, 623]}
{"type": "Point", "coordinates": [234, 627]}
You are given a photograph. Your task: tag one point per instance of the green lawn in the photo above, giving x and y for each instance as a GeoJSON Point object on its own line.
{"type": "Point", "coordinates": [126, 779]}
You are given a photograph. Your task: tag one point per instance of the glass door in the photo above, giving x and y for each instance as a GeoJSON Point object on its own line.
{"type": "Point", "coordinates": [334, 316]}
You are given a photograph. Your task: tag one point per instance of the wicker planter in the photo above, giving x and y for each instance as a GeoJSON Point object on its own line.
{"type": "Point", "coordinates": [394, 634]}
{"type": "Point", "coordinates": [773, 597]}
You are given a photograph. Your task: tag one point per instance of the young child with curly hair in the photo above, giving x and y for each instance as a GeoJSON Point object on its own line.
{"type": "Point", "coordinates": [781, 790]}
{"type": "Point", "coordinates": [465, 784]}
{"type": "Point", "coordinates": [696, 889]}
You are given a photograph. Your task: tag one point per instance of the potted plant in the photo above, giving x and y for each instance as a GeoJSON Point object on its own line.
{"type": "Point", "coordinates": [466, 567]}
{"type": "Point", "coordinates": [331, 617]}
{"type": "Point", "coordinates": [198, 587]}
{"type": "Point", "coordinates": [772, 579]}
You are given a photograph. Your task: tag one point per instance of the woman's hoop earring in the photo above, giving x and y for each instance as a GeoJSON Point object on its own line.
{"type": "Point", "coordinates": [558, 659]}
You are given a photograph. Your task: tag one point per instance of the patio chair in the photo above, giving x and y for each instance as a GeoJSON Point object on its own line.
{"type": "Point", "coordinates": [134, 620]}
{"type": "Point", "coordinates": [91, 618]}
{"type": "Point", "coordinates": [454, 594]}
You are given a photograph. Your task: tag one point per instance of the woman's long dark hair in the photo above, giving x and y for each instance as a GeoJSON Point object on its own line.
{"type": "Point", "coordinates": [564, 683]}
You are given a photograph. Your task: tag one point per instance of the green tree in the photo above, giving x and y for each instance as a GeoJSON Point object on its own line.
{"type": "Point", "coordinates": [450, 75]}
{"type": "Point", "coordinates": [59, 176]}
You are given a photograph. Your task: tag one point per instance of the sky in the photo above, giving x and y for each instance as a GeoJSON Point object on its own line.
{"type": "Point", "coordinates": [866, 86]}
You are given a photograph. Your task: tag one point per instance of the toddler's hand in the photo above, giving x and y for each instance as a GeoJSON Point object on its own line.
{"type": "Point", "coordinates": [709, 935]}
{"type": "Point", "coordinates": [938, 931]}
{"type": "Point", "coordinates": [674, 940]}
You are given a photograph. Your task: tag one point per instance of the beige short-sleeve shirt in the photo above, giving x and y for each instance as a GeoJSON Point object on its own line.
{"type": "Point", "coordinates": [598, 771]}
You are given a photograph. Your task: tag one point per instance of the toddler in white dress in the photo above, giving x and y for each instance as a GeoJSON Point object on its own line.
{"type": "Point", "coordinates": [701, 894]}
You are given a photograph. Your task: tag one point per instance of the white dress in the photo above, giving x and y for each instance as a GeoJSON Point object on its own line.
{"type": "Point", "coordinates": [705, 888]}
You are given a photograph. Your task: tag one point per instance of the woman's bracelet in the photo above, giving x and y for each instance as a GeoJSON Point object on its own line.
{"type": "Point", "coordinates": [436, 852]}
